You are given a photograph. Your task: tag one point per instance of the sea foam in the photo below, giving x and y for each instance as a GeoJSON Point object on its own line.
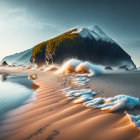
{"type": "Point", "coordinates": [78, 66]}
{"type": "Point", "coordinates": [114, 103]}
{"type": "Point", "coordinates": [135, 119]}
{"type": "Point", "coordinates": [85, 70]}
{"type": "Point", "coordinates": [111, 104]}
{"type": "Point", "coordinates": [80, 80]}
{"type": "Point", "coordinates": [80, 96]}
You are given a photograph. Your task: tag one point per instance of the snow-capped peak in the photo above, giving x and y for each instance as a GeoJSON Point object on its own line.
{"type": "Point", "coordinates": [91, 32]}
{"type": "Point", "coordinates": [83, 32]}
{"type": "Point", "coordinates": [97, 29]}
{"type": "Point", "coordinates": [99, 34]}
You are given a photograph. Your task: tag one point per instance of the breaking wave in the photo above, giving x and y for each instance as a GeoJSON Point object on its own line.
{"type": "Point", "coordinates": [78, 66]}
{"type": "Point", "coordinates": [85, 70]}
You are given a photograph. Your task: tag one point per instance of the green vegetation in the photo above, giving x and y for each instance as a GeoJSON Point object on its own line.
{"type": "Point", "coordinates": [53, 44]}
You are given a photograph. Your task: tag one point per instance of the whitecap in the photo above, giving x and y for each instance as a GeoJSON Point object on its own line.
{"type": "Point", "coordinates": [78, 66]}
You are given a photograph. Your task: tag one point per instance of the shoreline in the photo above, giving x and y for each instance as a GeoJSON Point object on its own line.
{"type": "Point", "coordinates": [17, 90]}
{"type": "Point", "coordinates": [53, 116]}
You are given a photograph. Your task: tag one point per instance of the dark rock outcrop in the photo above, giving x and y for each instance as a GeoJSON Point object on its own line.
{"type": "Point", "coordinates": [108, 68]}
{"type": "Point", "coordinates": [124, 67]}
{"type": "Point", "coordinates": [4, 63]}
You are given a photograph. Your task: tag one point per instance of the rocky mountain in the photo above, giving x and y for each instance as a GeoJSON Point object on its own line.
{"type": "Point", "coordinates": [90, 44]}
{"type": "Point", "coordinates": [4, 63]}
{"type": "Point", "coordinates": [22, 58]}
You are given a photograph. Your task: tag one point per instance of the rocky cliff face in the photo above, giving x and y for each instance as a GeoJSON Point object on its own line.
{"type": "Point", "coordinates": [82, 43]}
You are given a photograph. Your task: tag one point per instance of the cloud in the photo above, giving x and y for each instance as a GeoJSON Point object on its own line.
{"type": "Point", "coordinates": [20, 18]}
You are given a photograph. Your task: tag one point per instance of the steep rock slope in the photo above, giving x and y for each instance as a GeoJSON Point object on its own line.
{"type": "Point", "coordinates": [83, 43]}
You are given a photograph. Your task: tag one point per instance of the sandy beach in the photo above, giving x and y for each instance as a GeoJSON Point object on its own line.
{"type": "Point", "coordinates": [53, 116]}
{"type": "Point", "coordinates": [70, 70]}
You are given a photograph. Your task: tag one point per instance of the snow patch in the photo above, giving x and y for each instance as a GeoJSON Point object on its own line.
{"type": "Point", "coordinates": [93, 32]}
{"type": "Point", "coordinates": [83, 32]}
{"type": "Point", "coordinates": [97, 33]}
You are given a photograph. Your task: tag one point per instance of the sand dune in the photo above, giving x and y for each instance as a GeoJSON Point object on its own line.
{"type": "Point", "coordinates": [53, 116]}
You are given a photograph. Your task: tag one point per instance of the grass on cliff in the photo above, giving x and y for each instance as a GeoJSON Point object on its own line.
{"type": "Point", "coordinates": [53, 44]}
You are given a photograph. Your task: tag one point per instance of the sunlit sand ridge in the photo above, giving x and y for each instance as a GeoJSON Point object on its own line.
{"type": "Point", "coordinates": [53, 116]}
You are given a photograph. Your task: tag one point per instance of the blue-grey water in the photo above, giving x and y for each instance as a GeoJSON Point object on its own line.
{"type": "Point", "coordinates": [14, 91]}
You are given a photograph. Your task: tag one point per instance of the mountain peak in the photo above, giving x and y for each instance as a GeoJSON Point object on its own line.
{"type": "Point", "coordinates": [83, 32]}
{"type": "Point", "coordinates": [87, 44]}
{"type": "Point", "coordinates": [93, 32]}
{"type": "Point", "coordinates": [97, 27]}
{"type": "Point", "coordinates": [98, 30]}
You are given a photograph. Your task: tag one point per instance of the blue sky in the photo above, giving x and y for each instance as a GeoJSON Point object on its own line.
{"type": "Point", "coordinates": [23, 24]}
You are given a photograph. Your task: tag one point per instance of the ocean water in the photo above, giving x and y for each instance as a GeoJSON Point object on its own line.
{"type": "Point", "coordinates": [14, 92]}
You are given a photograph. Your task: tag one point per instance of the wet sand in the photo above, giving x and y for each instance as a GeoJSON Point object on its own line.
{"type": "Point", "coordinates": [53, 116]}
